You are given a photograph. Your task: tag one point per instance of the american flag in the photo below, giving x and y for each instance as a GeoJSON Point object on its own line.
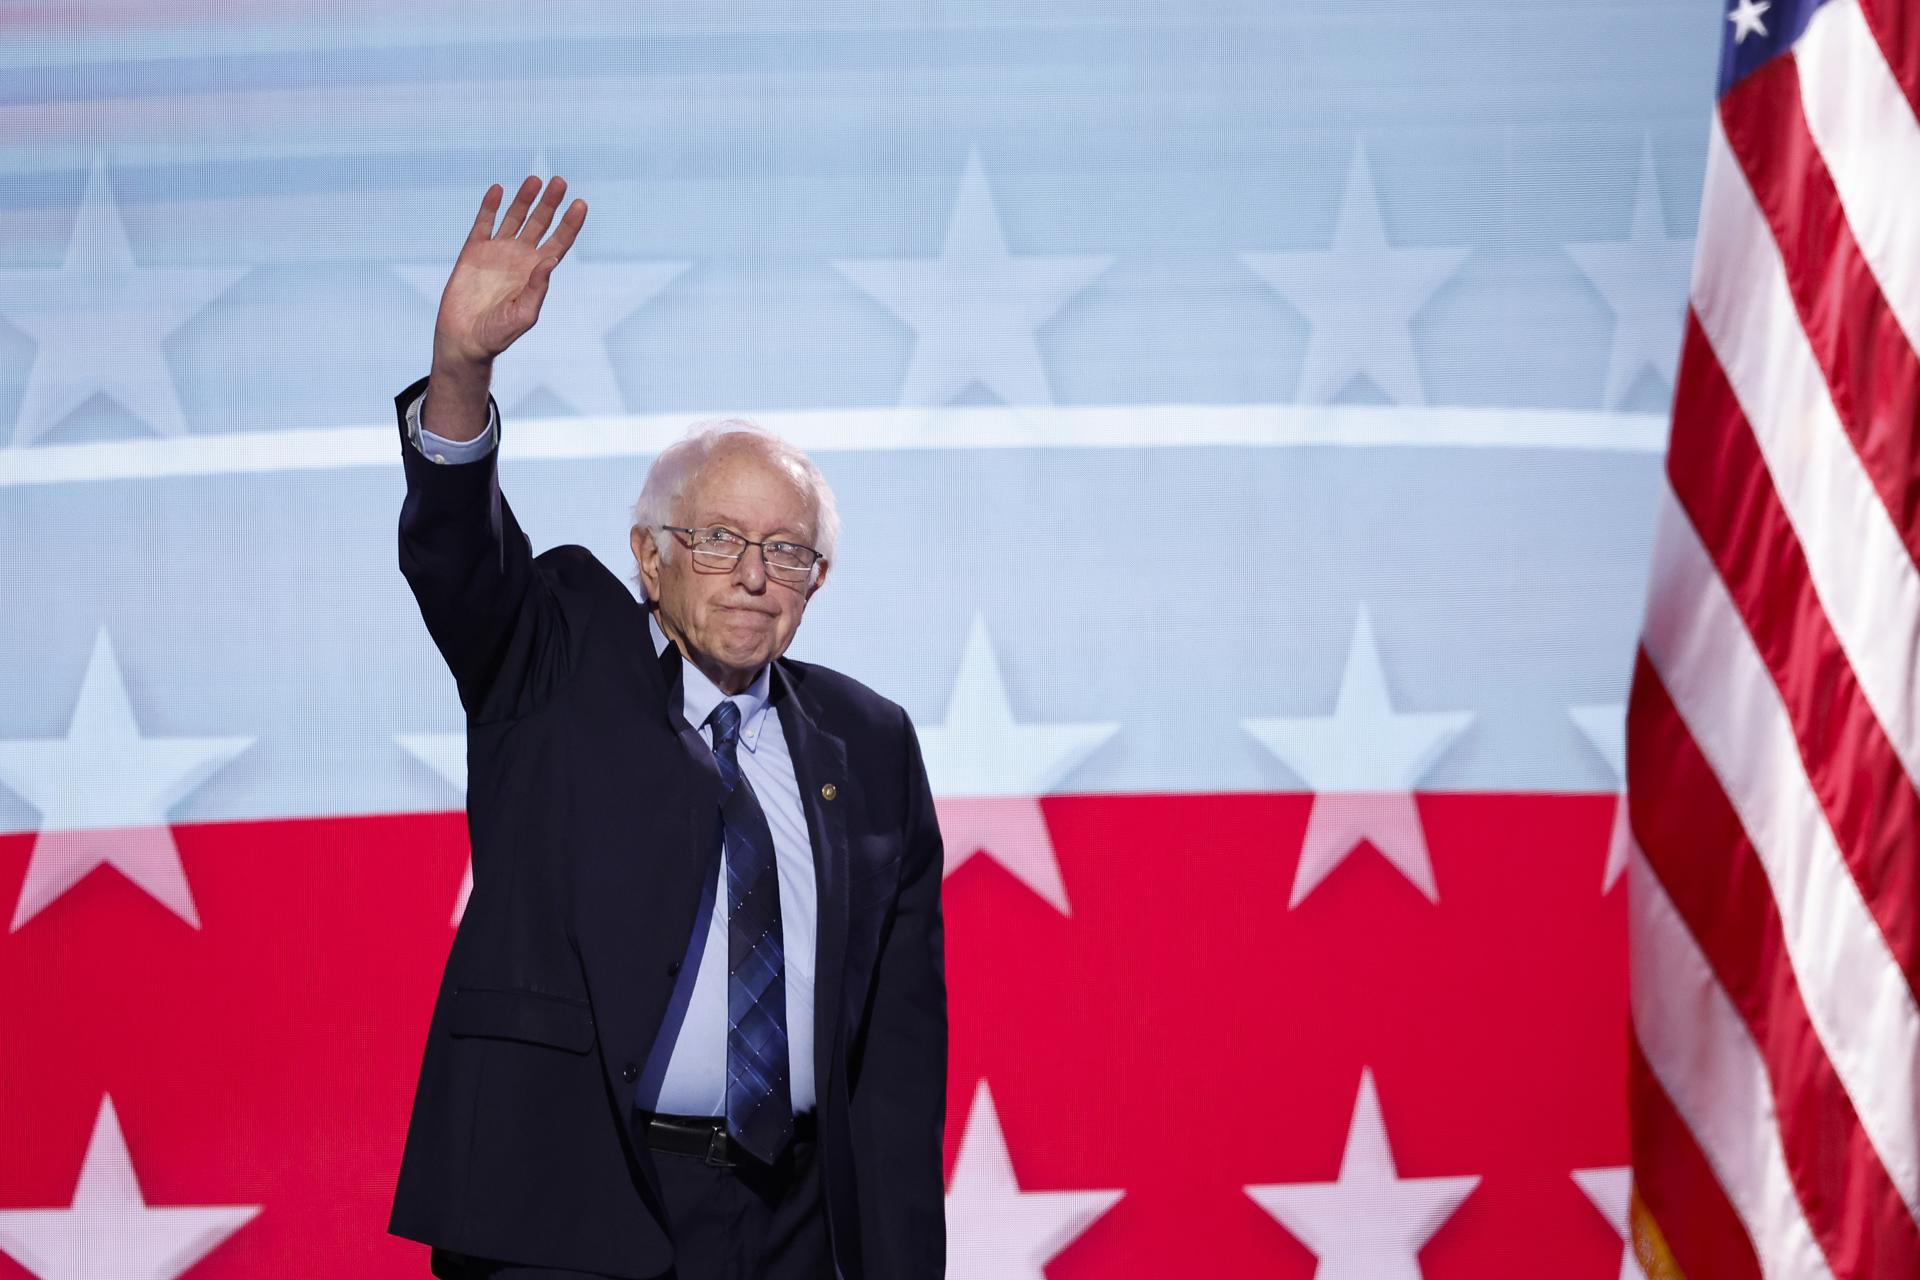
{"type": "Point", "coordinates": [1773, 746]}
{"type": "Point", "coordinates": [1248, 420]}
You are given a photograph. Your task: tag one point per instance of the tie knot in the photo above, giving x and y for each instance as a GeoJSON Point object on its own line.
{"type": "Point", "coordinates": [725, 721]}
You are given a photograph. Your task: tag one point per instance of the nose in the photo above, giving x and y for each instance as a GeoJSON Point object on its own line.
{"type": "Point", "coordinates": [750, 570]}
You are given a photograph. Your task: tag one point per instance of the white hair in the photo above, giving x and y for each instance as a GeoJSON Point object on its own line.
{"type": "Point", "coordinates": [681, 462]}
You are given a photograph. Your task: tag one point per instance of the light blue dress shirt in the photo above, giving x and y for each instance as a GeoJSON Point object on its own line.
{"type": "Point", "coordinates": [447, 451]}
{"type": "Point", "coordinates": [686, 1073]}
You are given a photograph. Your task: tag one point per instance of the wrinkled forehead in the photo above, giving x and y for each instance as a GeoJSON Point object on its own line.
{"type": "Point", "coordinates": [745, 483]}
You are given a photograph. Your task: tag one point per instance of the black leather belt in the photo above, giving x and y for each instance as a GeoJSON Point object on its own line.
{"type": "Point", "coordinates": [705, 1137]}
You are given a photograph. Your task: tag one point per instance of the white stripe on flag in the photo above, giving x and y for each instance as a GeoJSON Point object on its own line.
{"type": "Point", "coordinates": [1699, 1050]}
{"type": "Point", "coordinates": [1856, 995]}
{"type": "Point", "coordinates": [1864, 577]}
{"type": "Point", "coordinates": [1870, 140]}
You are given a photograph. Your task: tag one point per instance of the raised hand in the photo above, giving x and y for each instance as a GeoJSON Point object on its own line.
{"type": "Point", "coordinates": [493, 296]}
{"type": "Point", "coordinates": [500, 278]}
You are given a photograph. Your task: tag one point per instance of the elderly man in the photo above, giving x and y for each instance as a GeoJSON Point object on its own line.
{"type": "Point", "coordinates": [693, 1023]}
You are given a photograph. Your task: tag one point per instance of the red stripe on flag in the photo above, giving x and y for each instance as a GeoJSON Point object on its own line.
{"type": "Point", "coordinates": [1896, 28]}
{"type": "Point", "coordinates": [1678, 1186]}
{"type": "Point", "coordinates": [1694, 843]}
{"type": "Point", "coordinates": [1870, 369]}
{"type": "Point", "coordinates": [1722, 481]}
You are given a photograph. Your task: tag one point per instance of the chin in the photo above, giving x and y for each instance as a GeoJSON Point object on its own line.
{"type": "Point", "coordinates": [750, 657]}
{"type": "Point", "coordinates": [750, 640]}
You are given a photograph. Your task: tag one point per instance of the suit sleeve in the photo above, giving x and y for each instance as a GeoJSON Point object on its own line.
{"type": "Point", "coordinates": [902, 1089]}
{"type": "Point", "coordinates": [486, 604]}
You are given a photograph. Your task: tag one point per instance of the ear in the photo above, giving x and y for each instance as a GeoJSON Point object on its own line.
{"type": "Point", "coordinates": [646, 555]}
{"type": "Point", "coordinates": [819, 579]}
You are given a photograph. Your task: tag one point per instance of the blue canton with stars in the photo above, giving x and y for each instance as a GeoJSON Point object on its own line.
{"type": "Point", "coordinates": [1757, 32]}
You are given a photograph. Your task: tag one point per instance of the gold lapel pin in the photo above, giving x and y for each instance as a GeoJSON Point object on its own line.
{"type": "Point", "coordinates": [828, 791]}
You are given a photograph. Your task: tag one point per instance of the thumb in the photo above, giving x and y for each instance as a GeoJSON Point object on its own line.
{"type": "Point", "coordinates": [534, 294]}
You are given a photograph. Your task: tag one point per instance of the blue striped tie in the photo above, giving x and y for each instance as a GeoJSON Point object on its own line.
{"type": "Point", "coordinates": [759, 1105]}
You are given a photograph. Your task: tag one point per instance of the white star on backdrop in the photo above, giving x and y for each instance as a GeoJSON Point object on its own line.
{"type": "Point", "coordinates": [1611, 1190]}
{"type": "Point", "coordinates": [1372, 1223]}
{"type": "Point", "coordinates": [446, 755]}
{"type": "Point", "coordinates": [1606, 729]}
{"type": "Point", "coordinates": [1360, 294]}
{"type": "Point", "coordinates": [566, 353]}
{"type": "Point", "coordinates": [976, 307]}
{"type": "Point", "coordinates": [103, 793]}
{"type": "Point", "coordinates": [99, 320]}
{"type": "Point", "coordinates": [1746, 19]}
{"type": "Point", "coordinates": [109, 1232]}
{"type": "Point", "coordinates": [1644, 280]}
{"type": "Point", "coordinates": [1362, 763]}
{"type": "Point", "coordinates": [996, 1231]}
{"type": "Point", "coordinates": [988, 773]}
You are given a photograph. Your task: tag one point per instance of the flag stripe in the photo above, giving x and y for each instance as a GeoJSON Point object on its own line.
{"type": "Point", "coordinates": [1693, 843]}
{"type": "Point", "coordinates": [1856, 996]}
{"type": "Point", "coordinates": [1721, 481]}
{"type": "Point", "coordinates": [1677, 1184]}
{"type": "Point", "coordinates": [1870, 140]}
{"type": "Point", "coordinates": [1700, 1054]}
{"type": "Point", "coordinates": [1860, 565]}
{"type": "Point", "coordinates": [1896, 29]}
{"type": "Point", "coordinates": [1870, 370]}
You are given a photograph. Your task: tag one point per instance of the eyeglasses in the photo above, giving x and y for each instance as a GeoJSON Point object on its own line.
{"type": "Point", "coordinates": [721, 548]}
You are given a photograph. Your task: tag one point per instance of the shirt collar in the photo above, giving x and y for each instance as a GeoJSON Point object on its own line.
{"type": "Point", "coordinates": [699, 695]}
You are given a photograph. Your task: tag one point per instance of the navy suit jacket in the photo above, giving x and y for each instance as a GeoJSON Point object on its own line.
{"type": "Point", "coordinates": [594, 825]}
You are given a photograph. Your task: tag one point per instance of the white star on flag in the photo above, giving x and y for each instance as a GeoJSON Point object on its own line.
{"type": "Point", "coordinates": [1606, 729]}
{"type": "Point", "coordinates": [1611, 1191]}
{"type": "Point", "coordinates": [109, 1232]}
{"type": "Point", "coordinates": [103, 793]}
{"type": "Point", "coordinates": [446, 755]}
{"type": "Point", "coordinates": [566, 353]}
{"type": "Point", "coordinates": [988, 773]}
{"type": "Point", "coordinates": [1746, 19]}
{"type": "Point", "coordinates": [1360, 294]}
{"type": "Point", "coordinates": [996, 1231]}
{"type": "Point", "coordinates": [1644, 280]}
{"type": "Point", "coordinates": [98, 320]}
{"type": "Point", "coordinates": [1362, 763]}
{"type": "Point", "coordinates": [1371, 1224]}
{"type": "Point", "coordinates": [976, 307]}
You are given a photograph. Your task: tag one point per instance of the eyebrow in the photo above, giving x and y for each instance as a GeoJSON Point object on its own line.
{"type": "Point", "coordinates": [777, 533]}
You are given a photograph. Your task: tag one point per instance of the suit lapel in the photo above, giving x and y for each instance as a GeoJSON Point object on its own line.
{"type": "Point", "coordinates": [658, 866]}
{"type": "Point", "coordinates": [820, 769]}
{"type": "Point", "coordinates": [673, 754]}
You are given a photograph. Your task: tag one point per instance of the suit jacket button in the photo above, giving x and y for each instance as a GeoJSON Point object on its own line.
{"type": "Point", "coordinates": [829, 791]}
{"type": "Point", "coordinates": [629, 1073]}
{"type": "Point", "coordinates": [673, 969]}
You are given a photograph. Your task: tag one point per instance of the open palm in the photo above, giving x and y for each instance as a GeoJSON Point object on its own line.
{"type": "Point", "coordinates": [500, 278]}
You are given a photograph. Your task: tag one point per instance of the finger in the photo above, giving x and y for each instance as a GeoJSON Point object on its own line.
{"type": "Point", "coordinates": [483, 221]}
{"type": "Point", "coordinates": [567, 232]}
{"type": "Point", "coordinates": [543, 212]}
{"type": "Point", "coordinates": [517, 211]}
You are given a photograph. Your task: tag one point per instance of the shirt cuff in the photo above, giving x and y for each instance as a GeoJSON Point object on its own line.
{"type": "Point", "coordinates": [452, 452]}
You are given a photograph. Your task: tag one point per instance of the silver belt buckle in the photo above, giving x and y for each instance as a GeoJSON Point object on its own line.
{"type": "Point", "coordinates": [717, 1149]}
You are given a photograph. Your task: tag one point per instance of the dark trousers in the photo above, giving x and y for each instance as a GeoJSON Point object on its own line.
{"type": "Point", "coordinates": [747, 1222]}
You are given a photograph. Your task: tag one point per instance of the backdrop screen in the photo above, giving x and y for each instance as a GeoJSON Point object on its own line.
{"type": "Point", "coordinates": [1247, 419]}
